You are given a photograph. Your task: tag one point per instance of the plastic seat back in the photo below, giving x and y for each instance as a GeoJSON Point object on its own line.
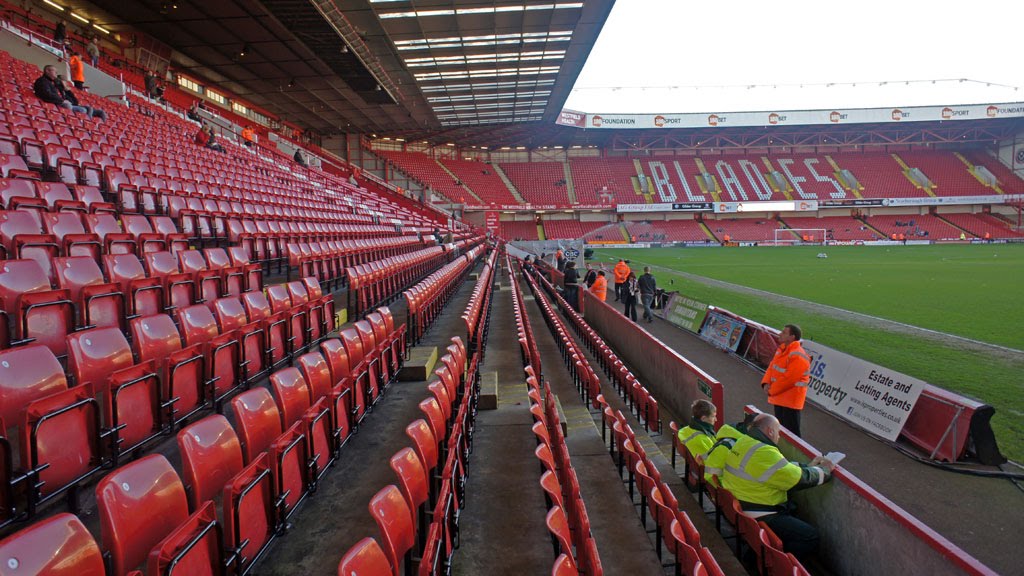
{"type": "Point", "coordinates": [191, 549]}
{"type": "Point", "coordinates": [57, 546]}
{"type": "Point", "coordinates": [139, 504]}
{"type": "Point", "coordinates": [210, 456]}
{"type": "Point", "coordinates": [291, 394]}
{"type": "Point", "coordinates": [197, 324]}
{"type": "Point", "coordinates": [257, 419]}
{"type": "Point", "coordinates": [93, 355]}
{"type": "Point", "coordinates": [33, 308]}
{"type": "Point", "coordinates": [279, 300]}
{"type": "Point", "coordinates": [423, 442]}
{"type": "Point", "coordinates": [317, 374]}
{"type": "Point", "coordinates": [412, 478]}
{"type": "Point", "coordinates": [27, 373]}
{"type": "Point", "coordinates": [394, 519]}
{"type": "Point", "coordinates": [154, 337]}
{"type": "Point", "coordinates": [366, 557]}
{"type": "Point", "coordinates": [100, 303]}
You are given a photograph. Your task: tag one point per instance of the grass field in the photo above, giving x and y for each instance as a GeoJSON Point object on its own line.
{"type": "Point", "coordinates": [970, 291]}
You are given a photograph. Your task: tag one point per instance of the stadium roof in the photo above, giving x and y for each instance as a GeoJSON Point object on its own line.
{"type": "Point", "coordinates": [408, 67]}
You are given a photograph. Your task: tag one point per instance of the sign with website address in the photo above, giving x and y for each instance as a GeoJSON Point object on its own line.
{"type": "Point", "coordinates": [875, 398]}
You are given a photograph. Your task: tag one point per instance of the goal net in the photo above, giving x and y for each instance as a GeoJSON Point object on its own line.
{"type": "Point", "coordinates": [800, 236]}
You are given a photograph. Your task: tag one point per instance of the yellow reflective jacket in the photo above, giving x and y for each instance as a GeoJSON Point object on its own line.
{"type": "Point", "coordinates": [760, 477]}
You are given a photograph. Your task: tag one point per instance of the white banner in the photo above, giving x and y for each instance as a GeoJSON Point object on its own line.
{"type": "Point", "coordinates": [778, 206]}
{"type": "Point", "coordinates": [931, 201]}
{"type": "Point", "coordinates": [877, 399]}
{"type": "Point", "coordinates": [803, 117]}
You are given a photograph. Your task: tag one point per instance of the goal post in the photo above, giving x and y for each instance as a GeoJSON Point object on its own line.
{"type": "Point", "coordinates": [800, 236]}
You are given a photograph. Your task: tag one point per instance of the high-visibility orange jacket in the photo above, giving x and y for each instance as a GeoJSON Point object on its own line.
{"type": "Point", "coordinates": [600, 288]}
{"type": "Point", "coordinates": [558, 254]}
{"type": "Point", "coordinates": [621, 271]}
{"type": "Point", "coordinates": [787, 376]}
{"type": "Point", "coordinates": [247, 134]}
{"type": "Point", "coordinates": [77, 69]}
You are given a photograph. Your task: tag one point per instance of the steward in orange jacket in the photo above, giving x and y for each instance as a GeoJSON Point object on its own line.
{"type": "Point", "coordinates": [600, 287]}
{"type": "Point", "coordinates": [621, 272]}
{"type": "Point", "coordinates": [787, 378]}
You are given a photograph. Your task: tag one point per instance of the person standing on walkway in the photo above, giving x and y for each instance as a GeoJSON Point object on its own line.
{"type": "Point", "coordinates": [760, 478]}
{"type": "Point", "coordinates": [621, 271]}
{"type": "Point", "coordinates": [600, 287]}
{"type": "Point", "coordinates": [648, 287]}
{"type": "Point", "coordinates": [77, 70]}
{"type": "Point", "coordinates": [787, 377]}
{"type": "Point", "coordinates": [630, 294]}
{"type": "Point", "coordinates": [93, 50]}
{"type": "Point", "coordinates": [570, 285]}
{"type": "Point", "coordinates": [560, 260]}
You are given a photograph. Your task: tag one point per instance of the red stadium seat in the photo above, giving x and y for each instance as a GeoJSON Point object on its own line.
{"type": "Point", "coordinates": [144, 296]}
{"type": "Point", "coordinates": [182, 369]}
{"type": "Point", "coordinates": [275, 326]}
{"type": "Point", "coordinates": [57, 546]}
{"type": "Point", "coordinates": [365, 557]}
{"type": "Point", "coordinates": [231, 317]}
{"type": "Point", "coordinates": [69, 232]}
{"type": "Point", "coordinates": [100, 360]}
{"type": "Point", "coordinates": [394, 519]}
{"type": "Point", "coordinates": [32, 310]}
{"type": "Point", "coordinates": [210, 456]}
{"type": "Point", "coordinates": [178, 286]}
{"type": "Point", "coordinates": [292, 395]}
{"type": "Point", "coordinates": [99, 303]}
{"type": "Point", "coordinates": [107, 229]}
{"type": "Point", "coordinates": [223, 352]}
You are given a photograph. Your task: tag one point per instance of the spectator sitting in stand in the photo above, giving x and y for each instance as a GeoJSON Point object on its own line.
{"type": "Point", "coordinates": [211, 140]}
{"type": "Point", "coordinates": [299, 158]}
{"type": "Point", "coordinates": [49, 89]}
{"type": "Point", "coordinates": [193, 112]}
{"type": "Point", "coordinates": [201, 137]}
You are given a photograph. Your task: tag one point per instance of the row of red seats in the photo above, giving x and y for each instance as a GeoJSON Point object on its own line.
{"type": "Point", "coordinates": [480, 303]}
{"type": "Point", "coordinates": [426, 300]}
{"type": "Point", "coordinates": [770, 558]}
{"type": "Point", "coordinates": [567, 519]}
{"type": "Point", "coordinates": [379, 281]}
{"type": "Point", "coordinates": [288, 440]}
{"type": "Point", "coordinates": [639, 400]}
{"type": "Point", "coordinates": [267, 240]}
{"type": "Point", "coordinates": [672, 526]}
{"type": "Point", "coordinates": [431, 482]}
{"type": "Point", "coordinates": [569, 525]}
{"type": "Point", "coordinates": [124, 396]}
{"type": "Point", "coordinates": [327, 261]}
{"type": "Point", "coordinates": [36, 309]}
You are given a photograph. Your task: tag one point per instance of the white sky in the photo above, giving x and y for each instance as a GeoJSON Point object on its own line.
{"type": "Point", "coordinates": [679, 56]}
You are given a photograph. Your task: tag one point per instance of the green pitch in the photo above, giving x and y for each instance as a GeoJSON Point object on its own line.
{"type": "Point", "coordinates": [973, 291]}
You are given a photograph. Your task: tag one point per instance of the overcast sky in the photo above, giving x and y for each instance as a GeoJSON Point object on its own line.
{"type": "Point", "coordinates": [678, 56]}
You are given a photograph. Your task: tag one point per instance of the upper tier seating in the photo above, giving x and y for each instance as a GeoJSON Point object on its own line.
{"type": "Point", "coordinates": [591, 176]}
{"type": "Point", "coordinates": [1009, 182]}
{"type": "Point", "coordinates": [431, 174]}
{"type": "Point", "coordinates": [539, 182]}
{"type": "Point", "coordinates": [880, 175]}
{"type": "Point", "coordinates": [841, 227]}
{"type": "Point", "coordinates": [481, 178]}
{"type": "Point", "coordinates": [950, 176]}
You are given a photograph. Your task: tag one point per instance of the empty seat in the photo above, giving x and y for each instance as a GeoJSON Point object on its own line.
{"type": "Point", "coordinates": [394, 519]}
{"type": "Point", "coordinates": [99, 303]}
{"type": "Point", "coordinates": [208, 283]}
{"type": "Point", "coordinates": [57, 546]}
{"type": "Point", "coordinates": [60, 435]}
{"type": "Point", "coordinates": [259, 427]}
{"type": "Point", "coordinates": [140, 505]}
{"type": "Point", "coordinates": [69, 232]}
{"type": "Point", "coordinates": [293, 399]}
{"type": "Point", "coordinates": [144, 296]}
{"type": "Point", "coordinates": [32, 310]}
{"type": "Point", "coordinates": [106, 227]}
{"type": "Point", "coordinates": [182, 369]}
{"type": "Point", "coordinates": [222, 351]}
{"type": "Point", "coordinates": [179, 287]}
{"type": "Point", "coordinates": [101, 361]}
{"type": "Point", "coordinates": [275, 326]}
{"type": "Point", "coordinates": [231, 317]}
{"type": "Point", "coordinates": [232, 277]}
{"type": "Point", "coordinates": [21, 236]}
{"type": "Point", "coordinates": [366, 557]}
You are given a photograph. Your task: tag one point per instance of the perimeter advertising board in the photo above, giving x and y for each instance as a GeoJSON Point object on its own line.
{"type": "Point", "coordinates": [722, 331]}
{"type": "Point", "coordinates": [797, 117]}
{"type": "Point", "coordinates": [875, 398]}
{"type": "Point", "coordinates": [684, 312]}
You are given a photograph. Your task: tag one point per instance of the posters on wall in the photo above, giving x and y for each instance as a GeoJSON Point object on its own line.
{"type": "Point", "coordinates": [722, 331]}
{"type": "Point", "coordinates": [873, 397]}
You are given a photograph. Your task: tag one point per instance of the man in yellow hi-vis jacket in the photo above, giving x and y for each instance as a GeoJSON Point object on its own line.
{"type": "Point", "coordinates": [760, 478]}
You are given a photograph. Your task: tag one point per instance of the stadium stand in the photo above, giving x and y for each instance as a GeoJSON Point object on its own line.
{"type": "Point", "coordinates": [427, 171]}
{"type": "Point", "coordinates": [667, 230]}
{"type": "Point", "coordinates": [591, 176]}
{"type": "Point", "coordinates": [570, 229]}
{"type": "Point", "coordinates": [481, 178]}
{"type": "Point", "coordinates": [981, 224]}
{"type": "Point", "coordinates": [841, 228]}
{"type": "Point", "coordinates": [743, 229]}
{"type": "Point", "coordinates": [914, 226]}
{"type": "Point", "coordinates": [950, 176]}
{"type": "Point", "coordinates": [539, 182]}
{"type": "Point", "coordinates": [880, 176]}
